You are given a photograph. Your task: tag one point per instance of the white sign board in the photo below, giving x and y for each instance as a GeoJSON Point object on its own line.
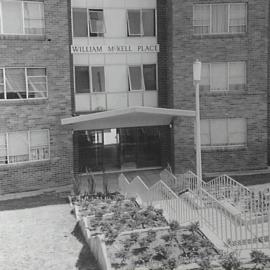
{"type": "Point", "coordinates": [94, 49]}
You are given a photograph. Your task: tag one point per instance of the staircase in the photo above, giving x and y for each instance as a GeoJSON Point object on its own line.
{"type": "Point", "coordinates": [233, 214]}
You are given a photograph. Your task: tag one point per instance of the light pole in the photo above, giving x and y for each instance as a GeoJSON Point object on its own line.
{"type": "Point", "coordinates": [197, 67]}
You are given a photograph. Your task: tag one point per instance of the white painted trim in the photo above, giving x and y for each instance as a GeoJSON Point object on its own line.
{"type": "Point", "coordinates": [130, 110]}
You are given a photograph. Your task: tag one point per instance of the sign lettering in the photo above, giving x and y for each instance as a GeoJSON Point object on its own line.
{"type": "Point", "coordinates": [114, 49]}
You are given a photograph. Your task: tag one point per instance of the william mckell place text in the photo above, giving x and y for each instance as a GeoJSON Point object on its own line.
{"type": "Point", "coordinates": [115, 48]}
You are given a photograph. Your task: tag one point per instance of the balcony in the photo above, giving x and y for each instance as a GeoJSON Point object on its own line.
{"type": "Point", "coordinates": [103, 101]}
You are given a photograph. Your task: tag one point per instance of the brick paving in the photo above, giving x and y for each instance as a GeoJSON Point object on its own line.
{"type": "Point", "coordinates": [35, 237]}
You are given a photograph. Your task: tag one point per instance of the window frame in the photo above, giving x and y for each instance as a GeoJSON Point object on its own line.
{"type": "Point", "coordinates": [142, 77]}
{"type": "Point", "coordinates": [141, 22]}
{"type": "Point", "coordinates": [28, 132]}
{"type": "Point", "coordinates": [227, 144]}
{"type": "Point", "coordinates": [26, 83]}
{"type": "Point", "coordinates": [228, 19]}
{"type": "Point", "coordinates": [228, 89]}
{"type": "Point", "coordinates": [23, 19]}
{"type": "Point", "coordinates": [89, 27]}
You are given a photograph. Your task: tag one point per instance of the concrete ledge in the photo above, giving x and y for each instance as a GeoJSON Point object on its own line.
{"type": "Point", "coordinates": [33, 193]}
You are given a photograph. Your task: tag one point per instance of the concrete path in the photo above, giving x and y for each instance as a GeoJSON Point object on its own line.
{"type": "Point", "coordinates": [43, 238]}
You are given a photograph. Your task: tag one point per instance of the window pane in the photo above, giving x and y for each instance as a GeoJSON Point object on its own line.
{"type": "Point", "coordinates": [149, 74]}
{"type": "Point", "coordinates": [15, 83]}
{"type": "Point", "coordinates": [201, 19]}
{"type": "Point", "coordinates": [82, 79]}
{"type": "Point", "coordinates": [98, 79]}
{"type": "Point", "coordinates": [237, 18]}
{"type": "Point", "coordinates": [219, 76]}
{"type": "Point", "coordinates": [80, 22]}
{"type": "Point", "coordinates": [12, 17]}
{"type": "Point", "coordinates": [220, 18]}
{"type": "Point", "coordinates": [39, 144]}
{"type": "Point", "coordinates": [18, 147]}
{"type": "Point", "coordinates": [34, 18]}
{"type": "Point", "coordinates": [148, 17]}
{"type": "Point", "coordinates": [219, 132]}
{"type": "Point", "coordinates": [205, 132]}
{"type": "Point", "coordinates": [134, 22]}
{"type": "Point", "coordinates": [2, 96]}
{"type": "Point", "coordinates": [96, 22]}
{"type": "Point", "coordinates": [135, 76]}
{"type": "Point", "coordinates": [3, 149]}
{"type": "Point", "coordinates": [237, 131]}
{"type": "Point", "coordinates": [37, 82]}
{"type": "Point", "coordinates": [237, 76]}
{"type": "Point", "coordinates": [205, 77]}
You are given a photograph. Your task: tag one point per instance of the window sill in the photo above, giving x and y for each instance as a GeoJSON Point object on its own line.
{"type": "Point", "coordinates": [223, 148]}
{"type": "Point", "coordinates": [22, 37]}
{"type": "Point", "coordinates": [223, 93]}
{"type": "Point", "coordinates": [223, 35]}
{"type": "Point", "coordinates": [13, 102]}
{"type": "Point", "coordinates": [25, 164]}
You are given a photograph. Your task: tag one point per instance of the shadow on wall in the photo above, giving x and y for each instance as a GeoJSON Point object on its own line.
{"type": "Point", "coordinates": [86, 260]}
{"type": "Point", "coordinates": [36, 201]}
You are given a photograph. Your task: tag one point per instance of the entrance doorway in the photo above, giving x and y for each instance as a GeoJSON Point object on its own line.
{"type": "Point", "coordinates": [123, 148]}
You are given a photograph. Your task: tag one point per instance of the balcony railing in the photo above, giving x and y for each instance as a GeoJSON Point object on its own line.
{"type": "Point", "coordinates": [102, 101]}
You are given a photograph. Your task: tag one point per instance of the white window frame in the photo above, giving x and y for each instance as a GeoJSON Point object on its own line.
{"type": "Point", "coordinates": [29, 147]}
{"type": "Point", "coordinates": [26, 82]}
{"type": "Point", "coordinates": [91, 79]}
{"type": "Point", "coordinates": [23, 16]}
{"type": "Point", "coordinates": [227, 144]}
{"type": "Point", "coordinates": [228, 26]}
{"type": "Point", "coordinates": [89, 26]}
{"type": "Point", "coordinates": [228, 75]}
{"type": "Point", "coordinates": [142, 76]}
{"type": "Point", "coordinates": [141, 22]}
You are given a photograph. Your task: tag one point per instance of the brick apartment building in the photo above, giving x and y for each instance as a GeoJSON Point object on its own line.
{"type": "Point", "coordinates": [35, 151]}
{"type": "Point", "coordinates": [118, 73]}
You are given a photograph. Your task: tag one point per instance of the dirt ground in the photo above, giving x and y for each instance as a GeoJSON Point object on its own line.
{"type": "Point", "coordinates": [40, 233]}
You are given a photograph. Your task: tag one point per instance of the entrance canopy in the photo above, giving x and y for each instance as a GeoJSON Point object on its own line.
{"type": "Point", "coordinates": [129, 117]}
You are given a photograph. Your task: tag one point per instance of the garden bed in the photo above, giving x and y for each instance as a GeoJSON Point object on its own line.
{"type": "Point", "coordinates": [136, 237]}
{"type": "Point", "coordinates": [124, 236]}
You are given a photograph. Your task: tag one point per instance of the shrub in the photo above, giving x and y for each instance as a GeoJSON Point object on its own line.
{"type": "Point", "coordinates": [134, 237]}
{"type": "Point", "coordinates": [169, 264]}
{"type": "Point", "coordinates": [259, 257]}
{"type": "Point", "coordinates": [151, 236]}
{"type": "Point", "coordinates": [161, 252]}
{"type": "Point", "coordinates": [230, 261]}
{"type": "Point", "coordinates": [174, 225]}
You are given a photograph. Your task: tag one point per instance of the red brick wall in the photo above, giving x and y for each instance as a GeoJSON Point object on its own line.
{"type": "Point", "coordinates": [51, 52]}
{"type": "Point", "coordinates": [251, 104]}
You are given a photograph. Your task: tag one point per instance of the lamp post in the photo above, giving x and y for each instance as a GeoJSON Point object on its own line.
{"type": "Point", "coordinates": [197, 67]}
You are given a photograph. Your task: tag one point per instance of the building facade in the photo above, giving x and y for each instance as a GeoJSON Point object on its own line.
{"type": "Point", "coordinates": [118, 74]}
{"type": "Point", "coordinates": [35, 151]}
{"type": "Point", "coordinates": [231, 40]}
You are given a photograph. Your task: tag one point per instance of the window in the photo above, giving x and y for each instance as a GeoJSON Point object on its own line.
{"type": "Point", "coordinates": [23, 83]}
{"type": "Point", "coordinates": [33, 18]}
{"type": "Point", "coordinates": [3, 149]}
{"type": "Point", "coordinates": [82, 79]}
{"type": "Point", "coordinates": [219, 18]}
{"type": "Point", "coordinates": [23, 146]}
{"type": "Point", "coordinates": [96, 22]}
{"type": "Point", "coordinates": [141, 22]}
{"type": "Point", "coordinates": [79, 17]}
{"type": "Point", "coordinates": [22, 17]}
{"type": "Point", "coordinates": [142, 77]}
{"type": "Point", "coordinates": [223, 76]}
{"type": "Point", "coordinates": [223, 132]}
{"type": "Point", "coordinates": [98, 79]}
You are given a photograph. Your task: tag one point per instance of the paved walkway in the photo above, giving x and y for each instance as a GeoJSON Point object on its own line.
{"type": "Point", "coordinates": [41, 238]}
